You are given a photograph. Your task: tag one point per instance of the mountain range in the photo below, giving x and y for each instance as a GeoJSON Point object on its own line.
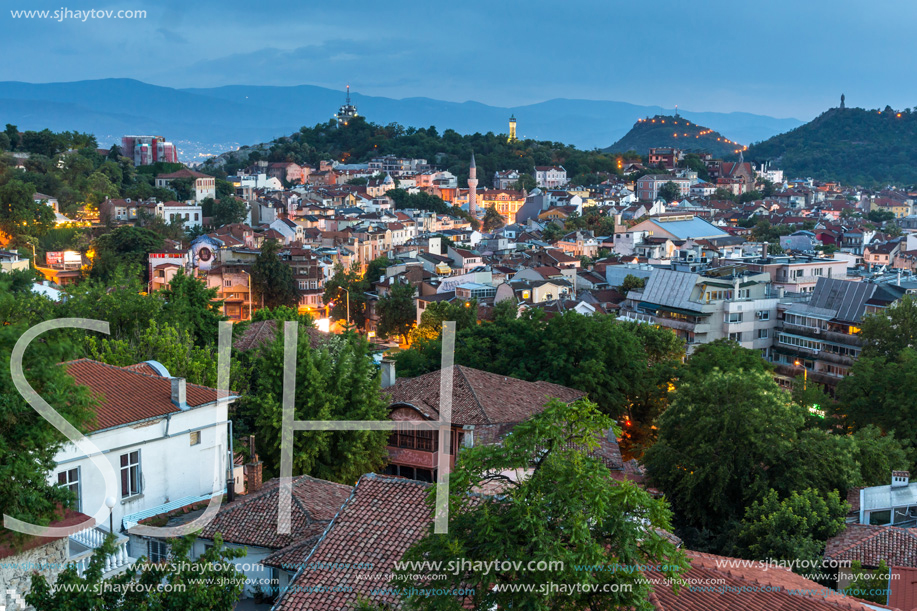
{"type": "Point", "coordinates": [202, 122]}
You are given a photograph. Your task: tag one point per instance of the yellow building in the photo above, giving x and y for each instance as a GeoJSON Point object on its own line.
{"type": "Point", "coordinates": [512, 128]}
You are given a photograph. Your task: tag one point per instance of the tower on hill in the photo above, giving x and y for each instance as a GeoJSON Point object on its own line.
{"type": "Point", "coordinates": [346, 112]}
{"type": "Point", "coordinates": [512, 128]}
{"type": "Point", "coordinates": [473, 188]}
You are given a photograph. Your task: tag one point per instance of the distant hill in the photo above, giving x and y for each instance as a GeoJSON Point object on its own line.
{"type": "Point", "coordinates": [852, 145]}
{"type": "Point", "coordinates": [206, 121]}
{"type": "Point", "coordinates": [677, 132]}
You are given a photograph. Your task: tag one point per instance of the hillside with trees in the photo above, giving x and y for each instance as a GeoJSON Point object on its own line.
{"type": "Point", "coordinates": [361, 140]}
{"type": "Point", "coordinates": [676, 132]}
{"type": "Point", "coordinates": [852, 145]}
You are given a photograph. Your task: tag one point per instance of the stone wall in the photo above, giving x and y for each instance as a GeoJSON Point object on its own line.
{"type": "Point", "coordinates": [16, 570]}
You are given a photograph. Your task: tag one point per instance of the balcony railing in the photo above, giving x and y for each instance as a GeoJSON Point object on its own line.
{"type": "Point", "coordinates": [84, 544]}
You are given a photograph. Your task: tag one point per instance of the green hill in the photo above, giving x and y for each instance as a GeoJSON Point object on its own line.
{"type": "Point", "coordinates": [852, 145]}
{"type": "Point", "coordinates": [676, 132]}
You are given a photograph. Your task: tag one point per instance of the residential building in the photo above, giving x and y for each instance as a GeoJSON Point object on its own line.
{"type": "Point", "coordinates": [647, 188]}
{"type": "Point", "coordinates": [666, 157]}
{"type": "Point", "coordinates": [798, 274]}
{"type": "Point", "coordinates": [204, 185]}
{"type": "Point", "coordinates": [10, 261]}
{"type": "Point", "coordinates": [485, 407]}
{"type": "Point", "coordinates": [679, 227]}
{"type": "Point", "coordinates": [147, 150]}
{"type": "Point", "coordinates": [506, 179]}
{"type": "Point", "coordinates": [550, 176]}
{"type": "Point", "coordinates": [189, 213]}
{"type": "Point", "coordinates": [722, 303]}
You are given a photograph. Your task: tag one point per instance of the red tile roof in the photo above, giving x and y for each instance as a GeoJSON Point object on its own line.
{"type": "Point", "coordinates": [129, 394]}
{"type": "Point", "coordinates": [479, 397]}
{"type": "Point", "coordinates": [252, 519]}
{"type": "Point", "coordinates": [379, 522]}
{"type": "Point", "coordinates": [903, 585]}
{"type": "Point", "coordinates": [872, 544]}
{"type": "Point", "coordinates": [740, 589]}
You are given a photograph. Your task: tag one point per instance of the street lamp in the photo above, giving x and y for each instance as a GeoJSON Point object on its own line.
{"type": "Point", "coordinates": [805, 374]}
{"type": "Point", "coordinates": [110, 503]}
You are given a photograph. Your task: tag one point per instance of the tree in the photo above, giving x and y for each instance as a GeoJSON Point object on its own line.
{"type": "Point", "coordinates": [339, 382]}
{"type": "Point", "coordinates": [190, 306]}
{"type": "Point", "coordinates": [795, 528]}
{"type": "Point", "coordinates": [492, 220]}
{"type": "Point", "coordinates": [886, 334]}
{"type": "Point", "coordinates": [124, 247]}
{"type": "Point", "coordinates": [730, 436]}
{"type": "Point", "coordinates": [20, 214]}
{"type": "Point", "coordinates": [183, 188]}
{"type": "Point", "coordinates": [669, 192]}
{"type": "Point", "coordinates": [526, 183]}
{"type": "Point", "coordinates": [229, 210]}
{"type": "Point", "coordinates": [210, 582]}
{"type": "Point", "coordinates": [165, 343]}
{"type": "Point", "coordinates": [563, 507]}
{"type": "Point", "coordinates": [120, 300]}
{"type": "Point", "coordinates": [346, 290]}
{"type": "Point", "coordinates": [396, 310]}
{"type": "Point", "coordinates": [29, 443]}
{"type": "Point", "coordinates": [869, 584]}
{"type": "Point", "coordinates": [552, 232]}
{"type": "Point", "coordinates": [632, 283]}
{"type": "Point", "coordinates": [463, 313]}
{"type": "Point", "coordinates": [272, 279]}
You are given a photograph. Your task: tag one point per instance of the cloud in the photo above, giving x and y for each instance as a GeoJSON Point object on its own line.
{"type": "Point", "coordinates": [171, 36]}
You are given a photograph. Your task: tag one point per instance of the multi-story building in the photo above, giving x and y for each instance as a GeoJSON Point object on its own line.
{"type": "Point", "coordinates": [204, 185]}
{"type": "Point", "coordinates": [666, 157]}
{"type": "Point", "coordinates": [648, 186]}
{"type": "Point", "coordinates": [188, 213]}
{"type": "Point", "coordinates": [798, 274]}
{"type": "Point", "coordinates": [506, 179]}
{"type": "Point", "coordinates": [390, 164]}
{"type": "Point", "coordinates": [550, 176]}
{"type": "Point", "coordinates": [726, 302]}
{"type": "Point", "coordinates": [147, 150]}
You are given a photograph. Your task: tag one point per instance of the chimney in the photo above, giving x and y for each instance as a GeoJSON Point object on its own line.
{"type": "Point", "coordinates": [252, 469]}
{"type": "Point", "coordinates": [179, 393]}
{"type": "Point", "coordinates": [388, 372]}
{"type": "Point", "coordinates": [900, 479]}
{"type": "Point", "coordinates": [764, 251]}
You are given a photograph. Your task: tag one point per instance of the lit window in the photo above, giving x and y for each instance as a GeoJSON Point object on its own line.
{"type": "Point", "coordinates": [195, 438]}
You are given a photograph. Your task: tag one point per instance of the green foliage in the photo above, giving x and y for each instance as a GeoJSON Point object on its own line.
{"type": "Point", "coordinates": [228, 210]}
{"type": "Point", "coordinates": [567, 509]}
{"type": "Point", "coordinates": [210, 582]}
{"type": "Point", "coordinates": [284, 313]}
{"type": "Point", "coordinates": [124, 247]}
{"type": "Point", "coordinates": [272, 279]}
{"type": "Point", "coordinates": [852, 145]}
{"type": "Point", "coordinates": [878, 455]}
{"type": "Point", "coordinates": [669, 192]}
{"type": "Point", "coordinates": [632, 283]}
{"type": "Point", "coordinates": [396, 311]}
{"type": "Point", "coordinates": [725, 355]}
{"type": "Point", "coordinates": [338, 382]}
{"type": "Point", "coordinates": [119, 300]}
{"type": "Point", "coordinates": [492, 220]}
{"type": "Point", "coordinates": [887, 333]}
{"type": "Point", "coordinates": [869, 584]}
{"type": "Point", "coordinates": [20, 214]}
{"type": "Point", "coordinates": [463, 313]}
{"type": "Point", "coordinates": [190, 306]}
{"type": "Point", "coordinates": [183, 188]}
{"type": "Point", "coordinates": [795, 528]}
{"type": "Point", "coordinates": [173, 347]}
{"type": "Point", "coordinates": [350, 284]}
{"type": "Point", "coordinates": [28, 443]}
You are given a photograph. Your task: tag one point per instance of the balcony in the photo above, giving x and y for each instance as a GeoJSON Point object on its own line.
{"type": "Point", "coordinates": [84, 544]}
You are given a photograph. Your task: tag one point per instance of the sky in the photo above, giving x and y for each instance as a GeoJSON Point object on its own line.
{"type": "Point", "coordinates": [780, 58]}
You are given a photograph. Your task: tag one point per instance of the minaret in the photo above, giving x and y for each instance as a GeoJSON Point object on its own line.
{"type": "Point", "coordinates": [512, 128]}
{"type": "Point", "coordinates": [473, 188]}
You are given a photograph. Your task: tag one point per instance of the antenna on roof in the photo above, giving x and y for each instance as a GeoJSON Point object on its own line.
{"type": "Point", "coordinates": [348, 95]}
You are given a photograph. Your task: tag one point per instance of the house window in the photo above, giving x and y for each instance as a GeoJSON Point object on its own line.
{"type": "Point", "coordinates": [764, 315]}
{"type": "Point", "coordinates": [733, 317]}
{"type": "Point", "coordinates": [130, 474]}
{"type": "Point", "coordinates": [762, 333]}
{"type": "Point", "coordinates": [71, 480]}
{"type": "Point", "coordinates": [736, 337]}
{"type": "Point", "coordinates": [227, 283]}
{"type": "Point", "coordinates": [195, 438]}
{"type": "Point", "coordinates": [158, 550]}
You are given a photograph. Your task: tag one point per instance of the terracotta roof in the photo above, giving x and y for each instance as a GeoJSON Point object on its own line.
{"type": "Point", "coordinates": [8, 548]}
{"type": "Point", "coordinates": [479, 397]}
{"type": "Point", "coordinates": [184, 173]}
{"type": "Point", "coordinates": [144, 368]}
{"type": "Point", "coordinates": [252, 519]}
{"type": "Point", "coordinates": [872, 544]}
{"type": "Point", "coordinates": [740, 589]}
{"type": "Point", "coordinates": [379, 522]}
{"type": "Point", "coordinates": [263, 332]}
{"type": "Point", "coordinates": [903, 585]}
{"type": "Point", "coordinates": [128, 394]}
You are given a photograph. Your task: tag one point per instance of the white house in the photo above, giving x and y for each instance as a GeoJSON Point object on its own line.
{"type": "Point", "coordinates": [190, 213]}
{"type": "Point", "coordinates": [165, 439]}
{"type": "Point", "coordinates": [550, 176]}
